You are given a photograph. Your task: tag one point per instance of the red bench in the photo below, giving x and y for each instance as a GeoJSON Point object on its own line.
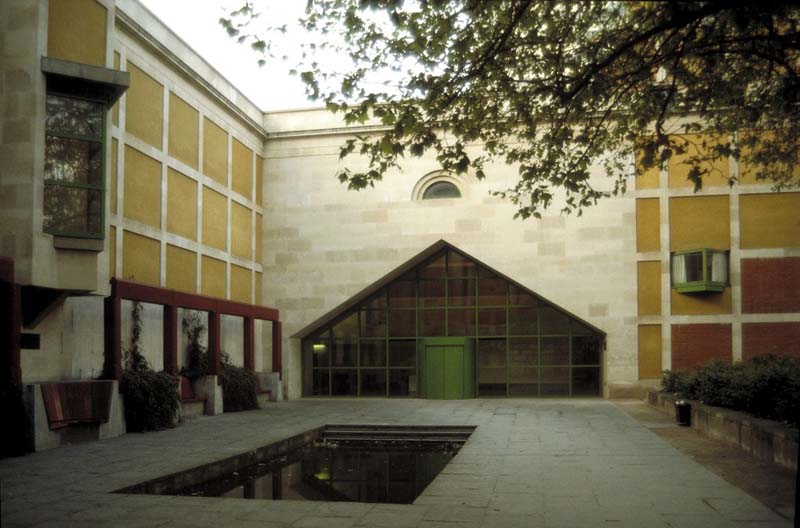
{"type": "Point", "coordinates": [77, 402]}
{"type": "Point", "coordinates": [187, 392]}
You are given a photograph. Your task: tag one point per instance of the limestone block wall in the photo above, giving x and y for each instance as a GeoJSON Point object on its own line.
{"type": "Point", "coordinates": [324, 244]}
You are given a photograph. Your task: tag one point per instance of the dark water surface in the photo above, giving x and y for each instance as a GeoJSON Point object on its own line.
{"type": "Point", "coordinates": [361, 472]}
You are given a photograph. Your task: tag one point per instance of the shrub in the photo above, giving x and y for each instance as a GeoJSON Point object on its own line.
{"type": "Point", "coordinates": [766, 386]}
{"type": "Point", "coordinates": [196, 354]}
{"type": "Point", "coordinates": [239, 387]}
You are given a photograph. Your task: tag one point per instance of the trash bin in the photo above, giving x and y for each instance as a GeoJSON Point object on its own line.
{"type": "Point", "coordinates": [683, 413]}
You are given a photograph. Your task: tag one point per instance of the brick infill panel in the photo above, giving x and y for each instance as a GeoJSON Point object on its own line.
{"type": "Point", "coordinates": [696, 344]}
{"type": "Point", "coordinates": [771, 285]}
{"type": "Point", "coordinates": [781, 339]}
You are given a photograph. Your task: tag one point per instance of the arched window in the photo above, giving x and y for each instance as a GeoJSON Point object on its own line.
{"type": "Point", "coordinates": [441, 189]}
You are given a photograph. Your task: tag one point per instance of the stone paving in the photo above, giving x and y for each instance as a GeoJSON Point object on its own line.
{"type": "Point", "coordinates": [530, 463]}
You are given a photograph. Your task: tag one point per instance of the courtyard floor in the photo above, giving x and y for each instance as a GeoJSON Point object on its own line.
{"type": "Point", "coordinates": [529, 463]}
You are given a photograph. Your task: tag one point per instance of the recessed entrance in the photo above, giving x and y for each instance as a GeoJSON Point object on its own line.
{"type": "Point", "coordinates": [448, 370]}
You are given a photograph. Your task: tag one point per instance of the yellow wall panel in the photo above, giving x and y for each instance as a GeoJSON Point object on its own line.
{"type": "Point", "coordinates": [184, 134]}
{"type": "Point", "coordinates": [699, 222]}
{"type": "Point", "coordinates": [649, 287]}
{"type": "Point", "coordinates": [215, 152]}
{"type": "Point", "coordinates": [747, 172]}
{"type": "Point", "coordinates": [645, 179]}
{"type": "Point", "coordinates": [650, 352]}
{"type": "Point", "coordinates": [769, 220]}
{"type": "Point", "coordinates": [111, 247]}
{"type": "Point", "coordinates": [181, 269]}
{"type": "Point", "coordinates": [259, 285]}
{"type": "Point", "coordinates": [181, 205]}
{"type": "Point", "coordinates": [112, 180]}
{"type": "Point", "coordinates": [212, 281]}
{"type": "Point", "coordinates": [679, 171]}
{"type": "Point", "coordinates": [76, 31]}
{"type": "Point", "coordinates": [241, 232]}
{"type": "Point", "coordinates": [700, 304]}
{"type": "Point", "coordinates": [215, 219]}
{"type": "Point", "coordinates": [259, 246]}
{"type": "Point", "coordinates": [144, 107]}
{"type": "Point", "coordinates": [648, 225]}
{"type": "Point", "coordinates": [242, 170]}
{"type": "Point", "coordinates": [259, 179]}
{"type": "Point", "coordinates": [142, 197]}
{"type": "Point", "coordinates": [141, 259]}
{"type": "Point", "coordinates": [240, 284]}
{"type": "Point", "coordinates": [115, 108]}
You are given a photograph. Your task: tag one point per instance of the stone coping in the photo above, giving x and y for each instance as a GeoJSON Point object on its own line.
{"type": "Point", "coordinates": [766, 440]}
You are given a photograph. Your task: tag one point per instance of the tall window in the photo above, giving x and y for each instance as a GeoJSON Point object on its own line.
{"type": "Point", "coordinates": [73, 170]}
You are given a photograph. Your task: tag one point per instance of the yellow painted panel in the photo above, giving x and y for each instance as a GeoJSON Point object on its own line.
{"type": "Point", "coordinates": [241, 232]}
{"type": "Point", "coordinates": [115, 108]}
{"type": "Point", "coordinates": [215, 152]}
{"type": "Point", "coordinates": [76, 31]}
{"type": "Point", "coordinates": [259, 247]}
{"type": "Point", "coordinates": [747, 172]}
{"type": "Point", "coordinates": [181, 269]}
{"type": "Point", "coordinates": [679, 171]}
{"type": "Point", "coordinates": [141, 259]}
{"type": "Point", "coordinates": [181, 205]}
{"type": "Point", "coordinates": [699, 222]}
{"type": "Point", "coordinates": [215, 219]}
{"type": "Point", "coordinates": [212, 281]}
{"type": "Point", "coordinates": [648, 225]}
{"type": "Point", "coordinates": [700, 303]}
{"type": "Point", "coordinates": [645, 179]}
{"type": "Point", "coordinates": [144, 107]}
{"type": "Point", "coordinates": [649, 287]}
{"type": "Point", "coordinates": [142, 194]}
{"type": "Point", "coordinates": [112, 251]}
{"type": "Point", "coordinates": [259, 179]}
{"type": "Point", "coordinates": [240, 284]}
{"type": "Point", "coordinates": [259, 285]}
{"type": "Point", "coordinates": [184, 133]}
{"type": "Point", "coordinates": [112, 180]}
{"type": "Point", "coordinates": [242, 170]}
{"type": "Point", "coordinates": [769, 220]}
{"type": "Point", "coordinates": [649, 352]}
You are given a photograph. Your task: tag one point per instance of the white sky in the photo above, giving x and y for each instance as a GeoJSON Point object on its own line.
{"type": "Point", "coordinates": [196, 22]}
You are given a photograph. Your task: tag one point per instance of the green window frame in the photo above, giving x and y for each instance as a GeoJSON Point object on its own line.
{"type": "Point", "coordinates": [699, 270]}
{"type": "Point", "coordinates": [74, 172]}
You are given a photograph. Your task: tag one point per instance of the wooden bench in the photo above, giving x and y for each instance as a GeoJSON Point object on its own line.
{"type": "Point", "coordinates": [77, 402]}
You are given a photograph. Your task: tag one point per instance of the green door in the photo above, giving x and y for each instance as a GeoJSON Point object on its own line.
{"type": "Point", "coordinates": [448, 368]}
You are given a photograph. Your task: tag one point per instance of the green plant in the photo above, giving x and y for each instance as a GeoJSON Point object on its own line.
{"type": "Point", "coordinates": [239, 387]}
{"type": "Point", "coordinates": [196, 354]}
{"type": "Point", "coordinates": [151, 398]}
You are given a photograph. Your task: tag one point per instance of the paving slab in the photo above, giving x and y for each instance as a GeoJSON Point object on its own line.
{"type": "Point", "coordinates": [529, 463]}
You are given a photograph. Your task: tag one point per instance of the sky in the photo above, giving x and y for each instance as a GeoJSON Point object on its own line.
{"type": "Point", "coordinates": [196, 22]}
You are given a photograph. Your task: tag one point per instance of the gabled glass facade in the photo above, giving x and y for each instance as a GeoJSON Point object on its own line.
{"type": "Point", "coordinates": [525, 346]}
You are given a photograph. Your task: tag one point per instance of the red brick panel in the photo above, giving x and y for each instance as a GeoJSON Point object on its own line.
{"type": "Point", "coordinates": [781, 339]}
{"type": "Point", "coordinates": [771, 285]}
{"type": "Point", "coordinates": [695, 344]}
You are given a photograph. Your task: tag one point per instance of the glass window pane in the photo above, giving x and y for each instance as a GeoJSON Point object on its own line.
{"type": "Point", "coordinates": [461, 322]}
{"type": "Point", "coordinates": [402, 382]}
{"type": "Point", "coordinates": [492, 322]}
{"type": "Point", "coordinates": [719, 267]}
{"type": "Point", "coordinates": [554, 381]}
{"type": "Point", "coordinates": [434, 270]}
{"type": "Point", "coordinates": [431, 293]}
{"type": "Point", "coordinates": [522, 321]}
{"type": "Point", "coordinates": [519, 297]}
{"type": "Point", "coordinates": [373, 353]}
{"type": "Point", "coordinates": [441, 189]}
{"type": "Point", "coordinates": [581, 329]}
{"type": "Point", "coordinates": [491, 367]}
{"type": "Point", "coordinates": [73, 161]}
{"type": "Point", "coordinates": [585, 350]}
{"type": "Point", "coordinates": [693, 263]}
{"type": "Point", "coordinates": [461, 292]}
{"type": "Point", "coordinates": [460, 266]}
{"type": "Point", "coordinates": [344, 382]}
{"type": "Point", "coordinates": [321, 382]}
{"type": "Point", "coordinates": [373, 323]}
{"type": "Point", "coordinates": [523, 381]}
{"type": "Point", "coordinates": [402, 323]}
{"type": "Point", "coordinates": [552, 321]}
{"type": "Point", "coordinates": [70, 210]}
{"type": "Point", "coordinates": [403, 294]}
{"type": "Point", "coordinates": [320, 351]}
{"type": "Point", "coordinates": [376, 302]}
{"type": "Point", "coordinates": [522, 351]}
{"type": "Point", "coordinates": [555, 350]}
{"type": "Point", "coordinates": [586, 381]}
{"type": "Point", "coordinates": [491, 292]}
{"type": "Point", "coordinates": [74, 117]}
{"type": "Point", "coordinates": [373, 382]}
{"type": "Point", "coordinates": [403, 353]}
{"type": "Point", "coordinates": [432, 323]}
{"type": "Point", "coordinates": [344, 354]}
{"type": "Point", "coordinates": [347, 328]}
